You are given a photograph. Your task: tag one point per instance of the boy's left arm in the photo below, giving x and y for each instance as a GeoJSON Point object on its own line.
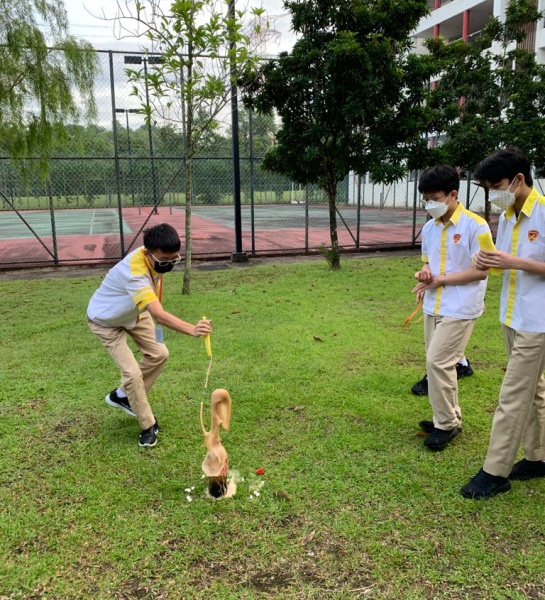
{"type": "Point", "coordinates": [504, 260]}
{"type": "Point", "coordinates": [468, 275]}
{"type": "Point", "coordinates": [460, 278]}
{"type": "Point", "coordinates": [498, 259]}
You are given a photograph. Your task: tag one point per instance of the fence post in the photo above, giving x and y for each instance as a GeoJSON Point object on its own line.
{"type": "Point", "coordinates": [306, 218]}
{"type": "Point", "coordinates": [358, 213]}
{"type": "Point", "coordinates": [53, 228]}
{"type": "Point", "coordinates": [414, 206]}
{"type": "Point", "coordinates": [116, 157]}
{"type": "Point", "coordinates": [251, 144]}
{"type": "Point", "coordinates": [238, 255]}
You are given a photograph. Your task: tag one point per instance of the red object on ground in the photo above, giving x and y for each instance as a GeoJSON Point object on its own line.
{"type": "Point", "coordinates": [260, 471]}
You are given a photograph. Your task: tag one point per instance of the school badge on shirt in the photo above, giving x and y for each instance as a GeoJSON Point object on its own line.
{"type": "Point", "coordinates": [456, 238]}
{"type": "Point", "coordinates": [532, 235]}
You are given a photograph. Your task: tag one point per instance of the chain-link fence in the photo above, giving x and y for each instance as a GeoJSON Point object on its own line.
{"type": "Point", "coordinates": [112, 179]}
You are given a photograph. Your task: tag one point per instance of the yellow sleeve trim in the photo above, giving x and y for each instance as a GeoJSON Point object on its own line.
{"type": "Point", "coordinates": [143, 297]}
{"type": "Point", "coordinates": [138, 264]}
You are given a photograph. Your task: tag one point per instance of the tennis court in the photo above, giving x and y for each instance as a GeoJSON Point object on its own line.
{"type": "Point", "coordinates": [67, 223]}
{"type": "Point", "coordinates": [298, 216]}
{"type": "Point", "coordinates": [85, 236]}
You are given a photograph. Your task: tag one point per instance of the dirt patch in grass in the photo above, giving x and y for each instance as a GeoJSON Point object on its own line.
{"type": "Point", "coordinates": [268, 580]}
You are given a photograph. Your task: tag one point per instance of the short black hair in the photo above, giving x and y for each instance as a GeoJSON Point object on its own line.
{"type": "Point", "coordinates": [504, 164]}
{"type": "Point", "coordinates": [162, 237]}
{"type": "Point", "coordinates": [441, 178]}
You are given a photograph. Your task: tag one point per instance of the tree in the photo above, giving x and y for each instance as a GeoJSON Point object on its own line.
{"type": "Point", "coordinates": [203, 49]}
{"type": "Point", "coordinates": [491, 93]}
{"type": "Point", "coordinates": [46, 76]}
{"type": "Point", "coordinates": [263, 131]}
{"type": "Point", "coordinates": [349, 94]}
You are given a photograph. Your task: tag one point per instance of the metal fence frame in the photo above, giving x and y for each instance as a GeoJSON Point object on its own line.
{"type": "Point", "coordinates": [126, 180]}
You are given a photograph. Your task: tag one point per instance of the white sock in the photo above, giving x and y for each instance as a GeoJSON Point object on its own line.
{"type": "Point", "coordinates": [120, 393]}
{"type": "Point", "coordinates": [463, 362]}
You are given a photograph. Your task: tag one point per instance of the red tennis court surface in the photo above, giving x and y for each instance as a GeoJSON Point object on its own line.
{"type": "Point", "coordinates": [94, 237]}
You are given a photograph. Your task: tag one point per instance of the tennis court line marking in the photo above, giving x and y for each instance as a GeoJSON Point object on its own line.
{"type": "Point", "coordinates": [92, 223]}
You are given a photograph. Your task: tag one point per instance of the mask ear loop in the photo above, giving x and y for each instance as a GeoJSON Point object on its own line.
{"type": "Point", "coordinates": [519, 184]}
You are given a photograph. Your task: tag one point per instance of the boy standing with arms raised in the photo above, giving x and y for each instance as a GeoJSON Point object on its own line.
{"type": "Point", "coordinates": [453, 293]}
{"type": "Point", "coordinates": [520, 244]}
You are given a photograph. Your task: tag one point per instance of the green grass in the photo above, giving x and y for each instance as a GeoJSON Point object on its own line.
{"type": "Point", "coordinates": [319, 369]}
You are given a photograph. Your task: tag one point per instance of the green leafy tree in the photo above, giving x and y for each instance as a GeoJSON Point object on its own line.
{"type": "Point", "coordinates": [203, 49]}
{"type": "Point", "coordinates": [80, 177]}
{"type": "Point", "coordinates": [350, 95]}
{"type": "Point", "coordinates": [45, 78]}
{"type": "Point", "coordinates": [491, 94]}
{"type": "Point", "coordinates": [263, 132]}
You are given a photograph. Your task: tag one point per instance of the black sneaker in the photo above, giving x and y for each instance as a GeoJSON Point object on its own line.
{"type": "Point", "coordinates": [528, 469]}
{"type": "Point", "coordinates": [441, 438]}
{"type": "Point", "coordinates": [484, 486]}
{"type": "Point", "coordinates": [148, 437]}
{"type": "Point", "coordinates": [464, 370]}
{"type": "Point", "coordinates": [426, 426]}
{"type": "Point", "coordinates": [420, 388]}
{"type": "Point", "coordinates": [123, 403]}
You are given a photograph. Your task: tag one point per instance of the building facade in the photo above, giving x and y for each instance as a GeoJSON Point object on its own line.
{"type": "Point", "coordinates": [465, 19]}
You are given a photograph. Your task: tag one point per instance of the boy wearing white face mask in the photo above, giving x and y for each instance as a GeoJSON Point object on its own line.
{"type": "Point", "coordinates": [520, 251]}
{"type": "Point", "coordinates": [452, 290]}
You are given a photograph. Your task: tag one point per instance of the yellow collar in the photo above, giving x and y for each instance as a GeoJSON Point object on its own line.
{"type": "Point", "coordinates": [527, 207]}
{"type": "Point", "coordinates": [454, 216]}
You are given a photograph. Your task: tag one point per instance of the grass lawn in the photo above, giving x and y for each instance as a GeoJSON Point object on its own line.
{"type": "Point", "coordinates": [319, 368]}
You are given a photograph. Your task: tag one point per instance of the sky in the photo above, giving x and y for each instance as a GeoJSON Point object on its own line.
{"type": "Point", "coordinates": [86, 22]}
{"type": "Point", "coordinates": [94, 21]}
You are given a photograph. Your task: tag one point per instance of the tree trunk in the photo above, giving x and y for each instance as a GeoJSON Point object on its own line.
{"type": "Point", "coordinates": [189, 152]}
{"type": "Point", "coordinates": [333, 257]}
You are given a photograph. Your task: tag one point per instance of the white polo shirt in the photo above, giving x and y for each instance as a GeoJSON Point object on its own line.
{"type": "Point", "coordinates": [125, 292]}
{"type": "Point", "coordinates": [449, 248]}
{"type": "Point", "coordinates": [522, 305]}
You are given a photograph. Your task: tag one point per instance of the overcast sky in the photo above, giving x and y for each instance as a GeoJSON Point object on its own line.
{"type": "Point", "coordinates": [85, 23]}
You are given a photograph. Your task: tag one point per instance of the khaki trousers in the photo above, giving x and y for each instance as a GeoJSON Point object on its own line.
{"type": "Point", "coordinates": [137, 377]}
{"type": "Point", "coordinates": [446, 341]}
{"type": "Point", "coordinates": [520, 415]}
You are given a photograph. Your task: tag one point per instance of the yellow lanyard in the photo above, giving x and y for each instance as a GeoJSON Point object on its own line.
{"type": "Point", "coordinates": [413, 314]}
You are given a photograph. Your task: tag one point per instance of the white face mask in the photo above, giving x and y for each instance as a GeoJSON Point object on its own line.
{"type": "Point", "coordinates": [436, 209]}
{"type": "Point", "coordinates": [502, 198]}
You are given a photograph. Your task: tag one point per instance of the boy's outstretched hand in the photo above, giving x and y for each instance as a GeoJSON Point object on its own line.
{"type": "Point", "coordinates": [202, 328]}
{"type": "Point", "coordinates": [494, 259]}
